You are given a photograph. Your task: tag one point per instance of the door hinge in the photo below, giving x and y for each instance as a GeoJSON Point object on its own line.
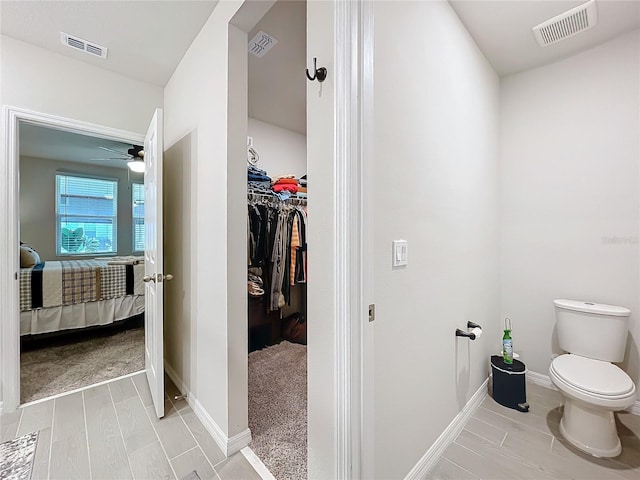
{"type": "Point", "coordinates": [15, 275]}
{"type": "Point", "coordinates": [372, 312]}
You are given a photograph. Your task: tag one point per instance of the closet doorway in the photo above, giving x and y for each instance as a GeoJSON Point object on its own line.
{"type": "Point", "coordinates": [276, 250]}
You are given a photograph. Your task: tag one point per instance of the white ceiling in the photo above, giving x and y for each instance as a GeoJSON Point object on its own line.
{"type": "Point", "coordinates": [146, 39]}
{"type": "Point", "coordinates": [52, 144]}
{"type": "Point", "coordinates": [277, 81]}
{"type": "Point", "coordinates": [502, 29]}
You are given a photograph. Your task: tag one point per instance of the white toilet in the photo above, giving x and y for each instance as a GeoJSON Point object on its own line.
{"type": "Point", "coordinates": [594, 335]}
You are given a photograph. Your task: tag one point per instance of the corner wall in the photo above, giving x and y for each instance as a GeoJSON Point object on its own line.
{"type": "Point", "coordinates": [195, 101]}
{"type": "Point", "coordinates": [570, 193]}
{"type": "Point", "coordinates": [436, 186]}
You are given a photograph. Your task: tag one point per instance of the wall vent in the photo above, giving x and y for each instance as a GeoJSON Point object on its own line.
{"type": "Point", "coordinates": [261, 44]}
{"type": "Point", "coordinates": [78, 43]}
{"type": "Point", "coordinates": [567, 24]}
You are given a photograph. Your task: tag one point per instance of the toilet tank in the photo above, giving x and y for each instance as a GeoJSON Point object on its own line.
{"type": "Point", "coordinates": [592, 330]}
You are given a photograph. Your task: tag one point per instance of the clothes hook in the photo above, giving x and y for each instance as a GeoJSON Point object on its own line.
{"type": "Point", "coordinates": [319, 73]}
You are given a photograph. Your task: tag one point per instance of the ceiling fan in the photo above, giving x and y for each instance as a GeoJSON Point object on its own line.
{"type": "Point", "coordinates": [134, 157]}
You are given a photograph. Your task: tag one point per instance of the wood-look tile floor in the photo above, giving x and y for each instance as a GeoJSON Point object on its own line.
{"type": "Point", "coordinates": [501, 443]}
{"type": "Point", "coordinates": [111, 432]}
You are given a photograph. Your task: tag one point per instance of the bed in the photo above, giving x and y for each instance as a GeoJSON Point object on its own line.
{"type": "Point", "coordinates": [72, 294]}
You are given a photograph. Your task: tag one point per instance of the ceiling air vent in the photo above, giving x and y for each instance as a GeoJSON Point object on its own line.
{"type": "Point", "coordinates": [567, 24]}
{"type": "Point", "coordinates": [83, 45]}
{"type": "Point", "coordinates": [261, 44]}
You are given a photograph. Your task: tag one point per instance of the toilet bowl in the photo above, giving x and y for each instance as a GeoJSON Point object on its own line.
{"type": "Point", "coordinates": [593, 390]}
{"type": "Point", "coordinates": [594, 337]}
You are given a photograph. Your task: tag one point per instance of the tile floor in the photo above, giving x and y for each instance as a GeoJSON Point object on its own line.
{"type": "Point", "coordinates": [501, 443]}
{"type": "Point", "coordinates": [111, 432]}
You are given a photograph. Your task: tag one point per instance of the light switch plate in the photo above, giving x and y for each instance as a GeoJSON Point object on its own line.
{"type": "Point", "coordinates": [400, 253]}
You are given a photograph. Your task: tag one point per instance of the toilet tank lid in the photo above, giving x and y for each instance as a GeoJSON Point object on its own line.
{"type": "Point", "coordinates": [591, 307]}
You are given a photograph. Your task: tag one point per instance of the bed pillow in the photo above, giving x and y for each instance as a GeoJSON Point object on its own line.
{"type": "Point", "coordinates": [28, 256]}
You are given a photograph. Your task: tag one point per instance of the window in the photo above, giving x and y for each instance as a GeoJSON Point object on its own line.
{"type": "Point", "coordinates": [86, 215]}
{"type": "Point", "coordinates": [137, 205]}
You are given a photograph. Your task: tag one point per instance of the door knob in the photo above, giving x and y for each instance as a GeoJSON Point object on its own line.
{"type": "Point", "coordinates": [160, 277]}
{"type": "Point", "coordinates": [157, 277]}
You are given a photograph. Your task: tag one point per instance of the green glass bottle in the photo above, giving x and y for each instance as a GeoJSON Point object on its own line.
{"type": "Point", "coordinates": [507, 343]}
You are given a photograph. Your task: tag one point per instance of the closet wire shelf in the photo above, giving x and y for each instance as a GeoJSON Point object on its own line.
{"type": "Point", "coordinates": [260, 197]}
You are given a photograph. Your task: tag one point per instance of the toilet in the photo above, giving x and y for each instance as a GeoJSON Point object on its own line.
{"type": "Point", "coordinates": [594, 335]}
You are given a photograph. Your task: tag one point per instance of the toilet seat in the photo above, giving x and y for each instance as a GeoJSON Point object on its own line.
{"type": "Point", "coordinates": [593, 377]}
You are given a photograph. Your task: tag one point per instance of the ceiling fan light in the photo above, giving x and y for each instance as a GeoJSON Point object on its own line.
{"type": "Point", "coordinates": [136, 166]}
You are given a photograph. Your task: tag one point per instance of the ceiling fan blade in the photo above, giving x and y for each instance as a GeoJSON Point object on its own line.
{"type": "Point", "coordinates": [124, 154]}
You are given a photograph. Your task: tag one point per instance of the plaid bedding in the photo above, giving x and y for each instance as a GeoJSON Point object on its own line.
{"type": "Point", "coordinates": [80, 281]}
{"type": "Point", "coordinates": [68, 282]}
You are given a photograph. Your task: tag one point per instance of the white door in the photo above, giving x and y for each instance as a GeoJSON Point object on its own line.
{"type": "Point", "coordinates": [153, 262]}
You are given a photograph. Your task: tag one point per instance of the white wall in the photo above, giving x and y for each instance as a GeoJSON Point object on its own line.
{"type": "Point", "coordinates": [569, 193]}
{"type": "Point", "coordinates": [195, 100]}
{"type": "Point", "coordinates": [281, 151]}
{"type": "Point", "coordinates": [436, 186]}
{"type": "Point", "coordinates": [38, 207]}
{"type": "Point", "coordinates": [36, 79]}
{"type": "Point", "coordinates": [321, 237]}
{"type": "Point", "coordinates": [237, 307]}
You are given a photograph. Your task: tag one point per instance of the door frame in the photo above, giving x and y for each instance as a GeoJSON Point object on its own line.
{"type": "Point", "coordinates": [10, 221]}
{"type": "Point", "coordinates": [354, 225]}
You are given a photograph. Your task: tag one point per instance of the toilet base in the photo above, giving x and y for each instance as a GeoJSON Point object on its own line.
{"type": "Point", "coordinates": [591, 430]}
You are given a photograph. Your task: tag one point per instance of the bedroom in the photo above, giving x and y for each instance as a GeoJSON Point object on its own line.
{"type": "Point", "coordinates": [82, 234]}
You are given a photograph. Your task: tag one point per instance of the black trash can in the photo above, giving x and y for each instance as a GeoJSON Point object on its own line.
{"type": "Point", "coordinates": [508, 385]}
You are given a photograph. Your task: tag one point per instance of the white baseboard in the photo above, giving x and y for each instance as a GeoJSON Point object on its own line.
{"type": "Point", "coordinates": [540, 379]}
{"type": "Point", "coordinates": [544, 381]}
{"type": "Point", "coordinates": [429, 459]}
{"type": "Point", "coordinates": [229, 446]}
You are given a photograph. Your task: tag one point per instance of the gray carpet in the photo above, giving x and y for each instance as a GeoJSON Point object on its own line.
{"type": "Point", "coordinates": [59, 368]}
{"type": "Point", "coordinates": [16, 457]}
{"type": "Point", "coordinates": [278, 409]}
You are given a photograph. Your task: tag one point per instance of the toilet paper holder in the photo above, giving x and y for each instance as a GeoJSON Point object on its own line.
{"type": "Point", "coordinates": [472, 335]}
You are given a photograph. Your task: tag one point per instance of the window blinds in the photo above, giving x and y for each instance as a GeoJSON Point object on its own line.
{"type": "Point", "coordinates": [86, 215]}
{"type": "Point", "coordinates": [137, 204]}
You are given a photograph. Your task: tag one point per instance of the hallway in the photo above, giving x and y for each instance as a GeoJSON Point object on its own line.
{"type": "Point", "coordinates": [111, 432]}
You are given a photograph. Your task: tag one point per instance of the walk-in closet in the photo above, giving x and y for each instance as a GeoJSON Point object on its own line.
{"type": "Point", "coordinates": [277, 240]}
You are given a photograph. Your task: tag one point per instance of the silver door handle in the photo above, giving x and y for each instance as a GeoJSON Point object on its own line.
{"type": "Point", "coordinates": [157, 277]}
{"type": "Point", "coordinates": [160, 277]}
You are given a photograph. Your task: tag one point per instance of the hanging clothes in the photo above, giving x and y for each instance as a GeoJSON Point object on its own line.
{"type": "Point", "coordinates": [277, 245]}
